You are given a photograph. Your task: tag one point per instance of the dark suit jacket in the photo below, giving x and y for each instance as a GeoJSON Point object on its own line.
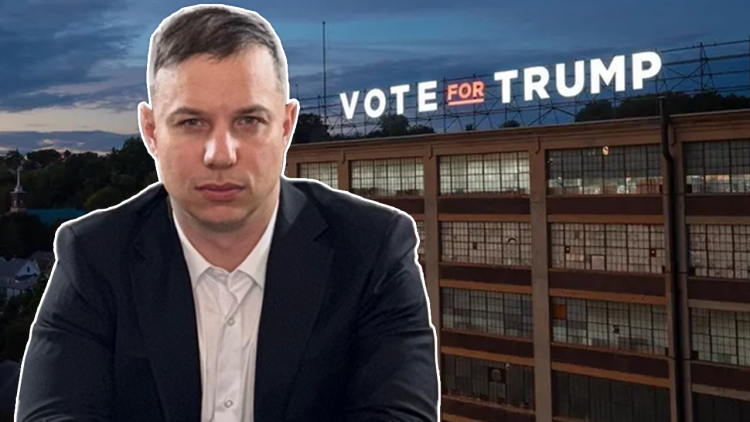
{"type": "Point", "coordinates": [344, 334]}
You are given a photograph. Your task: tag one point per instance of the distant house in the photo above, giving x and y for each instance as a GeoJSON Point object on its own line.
{"type": "Point", "coordinates": [45, 260]}
{"type": "Point", "coordinates": [17, 275]}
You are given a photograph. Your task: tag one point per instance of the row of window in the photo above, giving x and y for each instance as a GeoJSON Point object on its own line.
{"type": "Point", "coordinates": [495, 313]}
{"type": "Point", "coordinates": [389, 177]}
{"type": "Point", "coordinates": [574, 396]}
{"type": "Point", "coordinates": [489, 381]}
{"type": "Point", "coordinates": [720, 336]}
{"type": "Point", "coordinates": [592, 171]}
{"type": "Point", "coordinates": [717, 336]}
{"type": "Point", "coordinates": [710, 167]}
{"type": "Point", "coordinates": [493, 243]}
{"type": "Point", "coordinates": [612, 325]}
{"type": "Point", "coordinates": [633, 248]}
{"type": "Point", "coordinates": [718, 167]}
{"type": "Point", "coordinates": [720, 250]}
{"type": "Point", "coordinates": [325, 172]}
{"type": "Point", "coordinates": [716, 251]}
{"type": "Point", "coordinates": [507, 172]}
{"type": "Point", "coordinates": [604, 400]}
{"type": "Point", "coordinates": [577, 396]}
{"type": "Point", "coordinates": [708, 408]}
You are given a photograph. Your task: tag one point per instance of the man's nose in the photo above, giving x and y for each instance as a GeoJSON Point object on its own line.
{"type": "Point", "coordinates": [221, 149]}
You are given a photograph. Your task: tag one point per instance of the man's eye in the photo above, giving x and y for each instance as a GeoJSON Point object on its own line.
{"type": "Point", "coordinates": [249, 120]}
{"type": "Point", "coordinates": [190, 122]}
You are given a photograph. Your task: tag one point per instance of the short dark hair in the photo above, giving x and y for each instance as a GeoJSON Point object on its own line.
{"type": "Point", "coordinates": [216, 30]}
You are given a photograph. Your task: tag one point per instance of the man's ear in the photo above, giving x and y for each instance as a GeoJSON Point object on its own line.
{"type": "Point", "coordinates": [147, 126]}
{"type": "Point", "coordinates": [290, 119]}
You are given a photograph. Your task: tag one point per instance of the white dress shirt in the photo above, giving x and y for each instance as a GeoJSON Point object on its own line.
{"type": "Point", "coordinates": [228, 307]}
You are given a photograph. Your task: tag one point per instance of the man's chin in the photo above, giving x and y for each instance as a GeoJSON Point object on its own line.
{"type": "Point", "coordinates": [225, 224]}
{"type": "Point", "coordinates": [222, 219]}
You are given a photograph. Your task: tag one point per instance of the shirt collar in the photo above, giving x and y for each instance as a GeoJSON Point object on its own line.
{"type": "Point", "coordinates": [254, 265]}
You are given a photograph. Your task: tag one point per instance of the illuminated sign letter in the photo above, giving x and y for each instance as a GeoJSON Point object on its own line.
{"type": "Point", "coordinates": [349, 106]}
{"type": "Point", "coordinates": [399, 91]}
{"type": "Point", "coordinates": [529, 85]}
{"type": "Point", "coordinates": [600, 73]}
{"type": "Point", "coordinates": [467, 93]}
{"type": "Point", "coordinates": [579, 75]}
{"type": "Point", "coordinates": [424, 96]}
{"type": "Point", "coordinates": [504, 78]}
{"type": "Point", "coordinates": [639, 74]}
{"type": "Point", "coordinates": [375, 112]}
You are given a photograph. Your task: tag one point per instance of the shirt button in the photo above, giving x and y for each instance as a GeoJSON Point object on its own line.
{"type": "Point", "coordinates": [228, 403]}
{"type": "Point", "coordinates": [230, 322]}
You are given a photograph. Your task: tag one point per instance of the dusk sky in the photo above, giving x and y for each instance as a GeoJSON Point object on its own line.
{"type": "Point", "coordinates": [73, 71]}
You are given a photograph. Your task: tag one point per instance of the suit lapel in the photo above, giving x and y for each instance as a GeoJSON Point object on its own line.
{"type": "Point", "coordinates": [298, 269]}
{"type": "Point", "coordinates": [166, 312]}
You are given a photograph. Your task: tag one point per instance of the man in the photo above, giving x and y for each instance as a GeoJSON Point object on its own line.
{"type": "Point", "coordinates": [227, 292]}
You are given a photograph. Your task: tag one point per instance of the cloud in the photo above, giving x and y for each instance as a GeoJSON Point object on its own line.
{"type": "Point", "coordinates": [329, 10]}
{"type": "Point", "coordinates": [47, 43]}
{"type": "Point", "coordinates": [95, 141]}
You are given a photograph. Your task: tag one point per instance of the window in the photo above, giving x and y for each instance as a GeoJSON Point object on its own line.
{"type": "Point", "coordinates": [721, 336]}
{"type": "Point", "coordinates": [717, 167]}
{"type": "Point", "coordinates": [504, 314]}
{"type": "Point", "coordinates": [719, 250]}
{"type": "Point", "coordinates": [634, 248]}
{"type": "Point", "coordinates": [389, 177]}
{"type": "Point", "coordinates": [495, 382]}
{"type": "Point", "coordinates": [327, 172]}
{"type": "Point", "coordinates": [615, 170]}
{"type": "Point", "coordinates": [485, 173]}
{"type": "Point", "coordinates": [707, 408]}
{"type": "Point", "coordinates": [493, 243]}
{"type": "Point", "coordinates": [604, 400]}
{"type": "Point", "coordinates": [421, 232]}
{"type": "Point", "coordinates": [615, 325]}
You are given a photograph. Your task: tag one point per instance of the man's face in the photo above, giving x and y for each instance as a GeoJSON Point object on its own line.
{"type": "Point", "coordinates": [219, 131]}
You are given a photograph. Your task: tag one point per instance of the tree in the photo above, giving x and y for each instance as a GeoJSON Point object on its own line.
{"type": "Point", "coordinates": [15, 324]}
{"type": "Point", "coordinates": [510, 123]}
{"type": "Point", "coordinates": [310, 128]}
{"type": "Point", "coordinates": [420, 129]}
{"type": "Point", "coordinates": [133, 160]}
{"type": "Point", "coordinates": [648, 105]}
{"type": "Point", "coordinates": [16, 335]}
{"type": "Point", "coordinates": [23, 234]}
{"type": "Point", "coordinates": [394, 124]}
{"type": "Point", "coordinates": [596, 110]}
{"type": "Point", "coordinates": [13, 159]}
{"type": "Point", "coordinates": [105, 197]}
{"type": "Point", "coordinates": [44, 157]}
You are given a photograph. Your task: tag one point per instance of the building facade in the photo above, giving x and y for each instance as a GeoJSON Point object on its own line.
{"type": "Point", "coordinates": [576, 272]}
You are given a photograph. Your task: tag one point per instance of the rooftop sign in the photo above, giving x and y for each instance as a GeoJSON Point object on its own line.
{"type": "Point", "coordinates": [535, 81]}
